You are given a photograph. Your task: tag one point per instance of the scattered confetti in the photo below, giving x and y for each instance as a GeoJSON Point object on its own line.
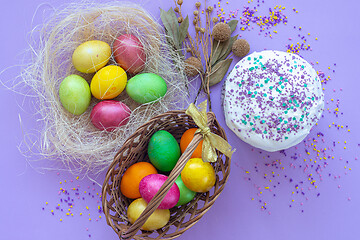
{"type": "Point", "coordinates": [72, 199]}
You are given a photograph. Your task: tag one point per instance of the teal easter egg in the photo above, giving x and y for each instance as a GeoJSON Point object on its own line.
{"type": "Point", "coordinates": [75, 95]}
{"type": "Point", "coordinates": [186, 195]}
{"type": "Point", "coordinates": [163, 151]}
{"type": "Point", "coordinates": [146, 87]}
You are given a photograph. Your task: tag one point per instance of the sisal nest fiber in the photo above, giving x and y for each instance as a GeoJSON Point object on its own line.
{"type": "Point", "coordinates": [73, 139]}
{"type": "Point", "coordinates": [135, 150]}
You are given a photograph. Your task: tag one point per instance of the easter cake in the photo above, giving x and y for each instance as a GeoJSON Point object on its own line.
{"type": "Point", "coordinates": [272, 99]}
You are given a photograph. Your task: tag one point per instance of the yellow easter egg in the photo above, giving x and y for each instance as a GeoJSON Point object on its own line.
{"type": "Point", "coordinates": [198, 176]}
{"type": "Point", "coordinates": [108, 82]}
{"type": "Point", "coordinates": [90, 56]}
{"type": "Point", "coordinates": [157, 220]}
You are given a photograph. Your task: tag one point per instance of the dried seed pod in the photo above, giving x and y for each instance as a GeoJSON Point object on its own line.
{"type": "Point", "coordinates": [193, 66]}
{"type": "Point", "coordinates": [221, 32]}
{"type": "Point", "coordinates": [202, 30]}
{"type": "Point", "coordinates": [195, 21]}
{"type": "Point", "coordinates": [180, 19]}
{"type": "Point", "coordinates": [196, 13]}
{"type": "Point", "coordinates": [180, 2]}
{"type": "Point", "coordinates": [188, 49]}
{"type": "Point", "coordinates": [240, 48]}
{"type": "Point", "coordinates": [176, 9]}
{"type": "Point", "coordinates": [197, 29]}
{"type": "Point", "coordinates": [215, 19]}
{"type": "Point", "coordinates": [197, 4]}
{"type": "Point", "coordinates": [210, 8]}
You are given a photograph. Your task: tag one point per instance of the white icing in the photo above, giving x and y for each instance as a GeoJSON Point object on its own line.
{"type": "Point", "coordinates": [295, 83]}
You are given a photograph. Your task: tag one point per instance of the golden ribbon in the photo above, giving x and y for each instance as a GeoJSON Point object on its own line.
{"type": "Point", "coordinates": [211, 141]}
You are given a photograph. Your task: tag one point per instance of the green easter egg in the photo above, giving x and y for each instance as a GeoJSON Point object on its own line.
{"type": "Point", "coordinates": [146, 87]}
{"type": "Point", "coordinates": [163, 151]}
{"type": "Point", "coordinates": [186, 195]}
{"type": "Point", "coordinates": [75, 95]}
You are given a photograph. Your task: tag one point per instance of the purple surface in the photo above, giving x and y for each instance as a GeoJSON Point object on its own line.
{"type": "Point", "coordinates": [268, 196]}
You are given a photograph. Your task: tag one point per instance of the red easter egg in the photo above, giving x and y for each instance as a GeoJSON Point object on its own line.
{"type": "Point", "coordinates": [129, 53]}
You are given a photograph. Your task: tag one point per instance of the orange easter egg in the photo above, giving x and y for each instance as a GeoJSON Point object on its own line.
{"type": "Point", "coordinates": [129, 185]}
{"type": "Point", "coordinates": [185, 141]}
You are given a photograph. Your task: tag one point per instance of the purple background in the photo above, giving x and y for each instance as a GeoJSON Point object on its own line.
{"type": "Point", "coordinates": [277, 211]}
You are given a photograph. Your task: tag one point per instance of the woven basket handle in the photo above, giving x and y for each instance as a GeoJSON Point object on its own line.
{"type": "Point", "coordinates": [159, 196]}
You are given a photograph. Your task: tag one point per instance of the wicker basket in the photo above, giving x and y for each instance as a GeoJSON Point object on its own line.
{"type": "Point", "coordinates": [135, 150]}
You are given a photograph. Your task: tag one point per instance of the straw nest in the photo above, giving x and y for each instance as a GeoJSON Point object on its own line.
{"type": "Point", "coordinates": [73, 139]}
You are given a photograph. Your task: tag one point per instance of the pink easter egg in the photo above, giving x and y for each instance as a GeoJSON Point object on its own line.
{"type": "Point", "coordinates": [110, 114]}
{"type": "Point", "coordinates": [151, 184]}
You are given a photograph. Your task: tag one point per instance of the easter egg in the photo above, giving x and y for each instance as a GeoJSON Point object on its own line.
{"type": "Point", "coordinates": [146, 87]}
{"type": "Point", "coordinates": [158, 219]}
{"type": "Point", "coordinates": [90, 56]}
{"type": "Point", "coordinates": [163, 150]}
{"type": "Point", "coordinates": [74, 93]}
{"type": "Point", "coordinates": [108, 82]}
{"type": "Point", "coordinates": [186, 195]}
{"type": "Point", "coordinates": [198, 176]}
{"type": "Point", "coordinates": [109, 114]}
{"type": "Point", "coordinates": [151, 184]}
{"type": "Point", "coordinates": [129, 53]}
{"type": "Point", "coordinates": [185, 141]}
{"type": "Point", "coordinates": [129, 185]}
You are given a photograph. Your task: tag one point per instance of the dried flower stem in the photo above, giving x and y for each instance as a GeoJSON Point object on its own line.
{"type": "Point", "coordinates": [199, 46]}
{"type": "Point", "coordinates": [207, 57]}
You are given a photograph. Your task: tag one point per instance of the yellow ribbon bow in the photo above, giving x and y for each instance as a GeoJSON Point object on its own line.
{"type": "Point", "coordinates": [211, 141]}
